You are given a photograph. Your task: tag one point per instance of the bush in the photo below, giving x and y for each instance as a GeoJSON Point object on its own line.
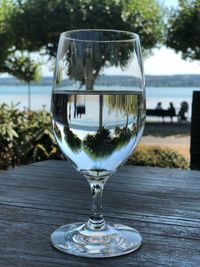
{"type": "Point", "coordinates": [27, 137]}
{"type": "Point", "coordinates": [159, 157]}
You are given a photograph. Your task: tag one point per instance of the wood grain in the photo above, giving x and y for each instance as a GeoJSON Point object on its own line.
{"type": "Point", "coordinates": [163, 204]}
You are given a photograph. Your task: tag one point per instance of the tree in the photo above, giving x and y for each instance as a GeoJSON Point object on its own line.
{"type": "Point", "coordinates": [84, 60]}
{"type": "Point", "coordinates": [36, 24]}
{"type": "Point", "coordinates": [183, 31]}
{"type": "Point", "coordinates": [11, 60]}
{"type": "Point", "coordinates": [6, 42]}
{"type": "Point", "coordinates": [23, 68]}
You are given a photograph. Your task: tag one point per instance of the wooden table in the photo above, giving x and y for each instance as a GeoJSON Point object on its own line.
{"type": "Point", "coordinates": [163, 204]}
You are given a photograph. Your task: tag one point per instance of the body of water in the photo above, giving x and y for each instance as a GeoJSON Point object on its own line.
{"type": "Point", "coordinates": [41, 96]}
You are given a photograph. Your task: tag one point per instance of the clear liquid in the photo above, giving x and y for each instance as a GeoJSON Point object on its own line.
{"type": "Point", "coordinates": [98, 131]}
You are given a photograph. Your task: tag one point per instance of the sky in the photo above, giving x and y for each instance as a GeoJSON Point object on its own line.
{"type": "Point", "coordinates": [166, 62]}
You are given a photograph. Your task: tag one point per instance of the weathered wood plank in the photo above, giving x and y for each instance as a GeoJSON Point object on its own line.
{"type": "Point", "coordinates": [143, 176]}
{"type": "Point", "coordinates": [163, 204]}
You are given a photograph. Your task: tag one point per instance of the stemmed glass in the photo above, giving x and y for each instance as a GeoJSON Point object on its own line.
{"type": "Point", "coordinates": [98, 115]}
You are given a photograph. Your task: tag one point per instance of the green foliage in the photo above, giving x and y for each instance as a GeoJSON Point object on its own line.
{"type": "Point", "coordinates": [125, 103]}
{"type": "Point", "coordinates": [100, 145]}
{"type": "Point", "coordinates": [159, 157]}
{"type": "Point", "coordinates": [183, 32]}
{"type": "Point", "coordinates": [72, 140]}
{"type": "Point", "coordinates": [12, 61]}
{"type": "Point", "coordinates": [25, 137]}
{"type": "Point", "coordinates": [36, 24]}
{"type": "Point", "coordinates": [23, 68]}
{"type": "Point", "coordinates": [6, 42]}
{"type": "Point", "coordinates": [146, 18]}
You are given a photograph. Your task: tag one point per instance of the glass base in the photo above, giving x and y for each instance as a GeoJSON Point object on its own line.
{"type": "Point", "coordinates": [114, 240]}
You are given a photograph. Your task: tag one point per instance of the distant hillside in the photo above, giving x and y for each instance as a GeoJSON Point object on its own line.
{"type": "Point", "coordinates": [162, 81]}
{"type": "Point", "coordinates": [192, 80]}
{"type": "Point", "coordinates": [14, 81]}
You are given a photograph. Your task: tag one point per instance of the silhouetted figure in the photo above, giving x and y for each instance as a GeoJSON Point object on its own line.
{"type": "Point", "coordinates": [159, 110]}
{"type": "Point", "coordinates": [80, 109]}
{"type": "Point", "coordinates": [183, 109]}
{"type": "Point", "coordinates": [70, 112]}
{"type": "Point", "coordinates": [172, 110]}
{"type": "Point", "coordinates": [159, 106]}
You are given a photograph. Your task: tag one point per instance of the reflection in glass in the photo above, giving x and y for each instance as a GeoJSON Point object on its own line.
{"type": "Point", "coordinates": [102, 130]}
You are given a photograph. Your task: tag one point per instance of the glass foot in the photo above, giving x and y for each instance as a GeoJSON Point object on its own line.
{"type": "Point", "coordinates": [113, 240]}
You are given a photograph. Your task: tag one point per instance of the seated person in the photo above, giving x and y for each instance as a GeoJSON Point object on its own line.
{"type": "Point", "coordinates": [159, 106]}
{"type": "Point", "coordinates": [183, 109]}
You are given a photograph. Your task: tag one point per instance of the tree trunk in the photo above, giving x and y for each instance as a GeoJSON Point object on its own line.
{"type": "Point", "coordinates": [29, 96]}
{"type": "Point", "coordinates": [90, 84]}
{"type": "Point", "coordinates": [100, 111]}
{"type": "Point", "coordinates": [127, 117]}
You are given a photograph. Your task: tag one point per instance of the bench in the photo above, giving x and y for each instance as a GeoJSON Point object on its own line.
{"type": "Point", "coordinates": [161, 113]}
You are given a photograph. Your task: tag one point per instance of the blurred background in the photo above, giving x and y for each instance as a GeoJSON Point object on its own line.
{"type": "Point", "coordinates": [29, 33]}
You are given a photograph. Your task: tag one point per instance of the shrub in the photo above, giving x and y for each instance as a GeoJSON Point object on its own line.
{"type": "Point", "coordinates": [25, 137]}
{"type": "Point", "coordinates": [159, 157]}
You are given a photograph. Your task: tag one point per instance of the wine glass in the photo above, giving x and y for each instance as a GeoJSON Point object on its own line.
{"type": "Point", "coordinates": [98, 116]}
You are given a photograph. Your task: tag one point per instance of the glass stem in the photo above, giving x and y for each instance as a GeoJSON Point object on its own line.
{"type": "Point", "coordinates": [96, 221]}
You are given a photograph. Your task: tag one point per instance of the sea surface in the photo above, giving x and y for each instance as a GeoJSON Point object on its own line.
{"type": "Point", "coordinates": [41, 96]}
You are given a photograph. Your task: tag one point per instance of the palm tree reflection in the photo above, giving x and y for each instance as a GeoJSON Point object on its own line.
{"type": "Point", "coordinates": [99, 145]}
{"type": "Point", "coordinates": [102, 145]}
{"type": "Point", "coordinates": [72, 140]}
{"type": "Point", "coordinates": [104, 142]}
{"type": "Point", "coordinates": [128, 104]}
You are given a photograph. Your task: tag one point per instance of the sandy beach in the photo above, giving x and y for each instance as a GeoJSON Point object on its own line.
{"type": "Point", "coordinates": [170, 135]}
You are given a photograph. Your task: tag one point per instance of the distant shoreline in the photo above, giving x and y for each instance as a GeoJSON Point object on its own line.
{"type": "Point", "coordinates": [187, 80]}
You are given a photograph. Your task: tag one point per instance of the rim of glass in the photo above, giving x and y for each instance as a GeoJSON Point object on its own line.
{"type": "Point", "coordinates": [134, 36]}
